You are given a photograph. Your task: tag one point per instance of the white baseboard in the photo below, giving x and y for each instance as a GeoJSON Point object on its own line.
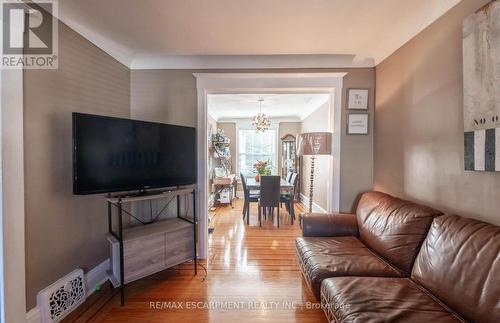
{"type": "Point", "coordinates": [33, 316]}
{"type": "Point", "coordinates": [315, 207]}
{"type": "Point", "coordinates": [96, 276]}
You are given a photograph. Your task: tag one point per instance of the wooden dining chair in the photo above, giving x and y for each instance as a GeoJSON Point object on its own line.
{"type": "Point", "coordinates": [248, 198]}
{"type": "Point", "coordinates": [288, 197]}
{"type": "Point", "coordinates": [269, 196]}
{"type": "Point", "coordinates": [288, 178]}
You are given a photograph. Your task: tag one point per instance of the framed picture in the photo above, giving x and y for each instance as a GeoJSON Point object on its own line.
{"type": "Point", "coordinates": [357, 99]}
{"type": "Point", "coordinates": [357, 124]}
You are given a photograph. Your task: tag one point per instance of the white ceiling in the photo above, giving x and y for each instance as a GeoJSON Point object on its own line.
{"type": "Point", "coordinates": [250, 33]}
{"type": "Point", "coordinates": [289, 107]}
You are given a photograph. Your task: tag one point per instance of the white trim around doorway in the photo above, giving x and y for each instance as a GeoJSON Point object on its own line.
{"type": "Point", "coordinates": [12, 190]}
{"type": "Point", "coordinates": [237, 83]}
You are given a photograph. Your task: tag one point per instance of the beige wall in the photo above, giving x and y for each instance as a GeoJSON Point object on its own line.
{"type": "Point", "coordinates": [167, 96]}
{"type": "Point", "coordinates": [64, 231]}
{"type": "Point", "coordinates": [170, 96]}
{"type": "Point", "coordinates": [316, 122]}
{"type": "Point", "coordinates": [419, 124]}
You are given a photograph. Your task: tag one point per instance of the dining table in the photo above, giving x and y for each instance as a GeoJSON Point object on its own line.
{"type": "Point", "coordinates": [285, 186]}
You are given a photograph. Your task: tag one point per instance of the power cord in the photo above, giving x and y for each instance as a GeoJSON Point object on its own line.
{"type": "Point", "coordinates": [186, 201]}
{"type": "Point", "coordinates": [206, 272]}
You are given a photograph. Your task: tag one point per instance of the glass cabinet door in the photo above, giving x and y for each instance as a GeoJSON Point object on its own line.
{"type": "Point", "coordinates": [288, 155]}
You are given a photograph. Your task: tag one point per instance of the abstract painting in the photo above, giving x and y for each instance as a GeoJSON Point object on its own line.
{"type": "Point", "coordinates": [481, 77]}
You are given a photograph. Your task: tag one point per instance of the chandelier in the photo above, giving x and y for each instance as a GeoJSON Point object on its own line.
{"type": "Point", "coordinates": [261, 122]}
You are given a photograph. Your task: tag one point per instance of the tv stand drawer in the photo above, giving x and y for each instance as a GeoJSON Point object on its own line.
{"type": "Point", "coordinates": [143, 256]}
{"type": "Point", "coordinates": [150, 248]}
{"type": "Point", "coordinates": [179, 246]}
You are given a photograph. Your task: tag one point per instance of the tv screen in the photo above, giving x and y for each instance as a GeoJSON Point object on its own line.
{"type": "Point", "coordinates": [115, 154]}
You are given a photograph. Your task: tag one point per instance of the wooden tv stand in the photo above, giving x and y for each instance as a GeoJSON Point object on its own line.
{"type": "Point", "coordinates": [151, 248]}
{"type": "Point", "coordinates": [142, 250]}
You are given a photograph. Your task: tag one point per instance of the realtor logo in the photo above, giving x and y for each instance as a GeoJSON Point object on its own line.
{"type": "Point", "coordinates": [29, 34]}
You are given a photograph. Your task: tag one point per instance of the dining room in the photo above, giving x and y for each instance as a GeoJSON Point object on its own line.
{"type": "Point", "coordinates": [265, 150]}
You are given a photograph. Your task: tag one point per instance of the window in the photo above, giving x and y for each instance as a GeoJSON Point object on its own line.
{"type": "Point", "coordinates": [254, 146]}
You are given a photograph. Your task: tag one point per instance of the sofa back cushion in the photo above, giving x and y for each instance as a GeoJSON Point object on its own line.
{"type": "Point", "coordinates": [392, 227]}
{"type": "Point", "coordinates": [459, 263]}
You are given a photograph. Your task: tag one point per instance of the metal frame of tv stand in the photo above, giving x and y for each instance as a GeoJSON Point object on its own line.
{"type": "Point", "coordinates": [119, 200]}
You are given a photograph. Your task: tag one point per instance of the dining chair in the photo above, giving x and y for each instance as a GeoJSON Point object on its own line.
{"type": "Point", "coordinates": [288, 198]}
{"type": "Point", "coordinates": [248, 198]}
{"type": "Point", "coordinates": [287, 178]}
{"type": "Point", "coordinates": [294, 179]}
{"type": "Point", "coordinates": [269, 196]}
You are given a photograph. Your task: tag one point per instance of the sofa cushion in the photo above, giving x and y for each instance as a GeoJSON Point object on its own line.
{"type": "Point", "coordinates": [328, 224]}
{"type": "Point", "coordinates": [392, 227]}
{"type": "Point", "coordinates": [321, 257]}
{"type": "Point", "coordinates": [375, 299]}
{"type": "Point", "coordinates": [459, 263]}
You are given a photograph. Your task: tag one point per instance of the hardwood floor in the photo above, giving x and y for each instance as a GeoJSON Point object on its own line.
{"type": "Point", "coordinates": [253, 276]}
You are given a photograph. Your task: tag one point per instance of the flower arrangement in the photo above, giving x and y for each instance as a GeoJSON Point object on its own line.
{"type": "Point", "coordinates": [262, 168]}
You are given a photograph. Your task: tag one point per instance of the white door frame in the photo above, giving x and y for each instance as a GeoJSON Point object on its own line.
{"type": "Point", "coordinates": [12, 270]}
{"type": "Point", "coordinates": [12, 190]}
{"type": "Point", "coordinates": [216, 83]}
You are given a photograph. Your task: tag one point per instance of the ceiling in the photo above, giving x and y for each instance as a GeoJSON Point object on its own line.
{"type": "Point", "coordinates": [244, 33]}
{"type": "Point", "coordinates": [289, 107]}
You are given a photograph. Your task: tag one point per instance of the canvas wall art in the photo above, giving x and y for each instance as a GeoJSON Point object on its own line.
{"type": "Point", "coordinates": [481, 77]}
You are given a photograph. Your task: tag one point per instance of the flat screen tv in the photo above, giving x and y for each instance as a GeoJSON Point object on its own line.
{"type": "Point", "coordinates": [115, 154]}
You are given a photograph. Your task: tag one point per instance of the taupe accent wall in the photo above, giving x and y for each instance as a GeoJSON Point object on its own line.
{"type": "Point", "coordinates": [64, 231]}
{"type": "Point", "coordinates": [170, 96]}
{"type": "Point", "coordinates": [356, 165]}
{"type": "Point", "coordinates": [419, 141]}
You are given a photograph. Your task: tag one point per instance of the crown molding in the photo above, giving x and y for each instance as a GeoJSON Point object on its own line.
{"type": "Point", "coordinates": [249, 62]}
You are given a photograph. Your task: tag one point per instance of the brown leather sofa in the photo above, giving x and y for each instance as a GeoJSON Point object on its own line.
{"type": "Point", "coordinates": [395, 260]}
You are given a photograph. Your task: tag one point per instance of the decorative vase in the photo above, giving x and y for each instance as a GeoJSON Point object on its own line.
{"type": "Point", "coordinates": [257, 178]}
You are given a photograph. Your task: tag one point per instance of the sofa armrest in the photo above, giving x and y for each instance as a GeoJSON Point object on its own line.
{"type": "Point", "coordinates": [329, 225]}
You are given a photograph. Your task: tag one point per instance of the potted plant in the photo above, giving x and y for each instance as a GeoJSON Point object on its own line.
{"type": "Point", "coordinates": [262, 168]}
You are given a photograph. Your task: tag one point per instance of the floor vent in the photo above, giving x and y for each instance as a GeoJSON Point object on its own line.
{"type": "Point", "coordinates": [59, 299]}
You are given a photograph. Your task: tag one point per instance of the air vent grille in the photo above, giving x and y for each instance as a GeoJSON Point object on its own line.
{"type": "Point", "coordinates": [60, 298]}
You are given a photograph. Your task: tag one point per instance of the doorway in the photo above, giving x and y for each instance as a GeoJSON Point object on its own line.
{"type": "Point", "coordinates": [237, 141]}
{"type": "Point", "coordinates": [208, 84]}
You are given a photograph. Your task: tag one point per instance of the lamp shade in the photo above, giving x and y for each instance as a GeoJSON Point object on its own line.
{"type": "Point", "coordinates": [314, 143]}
